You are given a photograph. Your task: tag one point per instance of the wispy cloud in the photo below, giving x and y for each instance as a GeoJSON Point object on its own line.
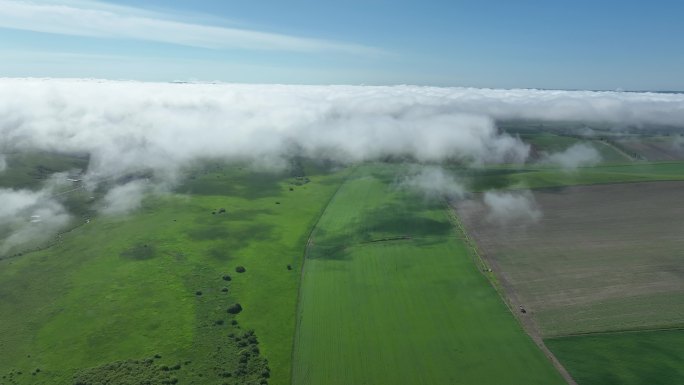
{"type": "Point", "coordinates": [96, 19]}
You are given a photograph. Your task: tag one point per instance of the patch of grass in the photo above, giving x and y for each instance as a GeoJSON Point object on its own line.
{"type": "Point", "coordinates": [631, 358]}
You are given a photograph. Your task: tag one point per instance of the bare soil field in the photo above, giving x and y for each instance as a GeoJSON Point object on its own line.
{"type": "Point", "coordinates": [601, 258]}
{"type": "Point", "coordinates": [655, 149]}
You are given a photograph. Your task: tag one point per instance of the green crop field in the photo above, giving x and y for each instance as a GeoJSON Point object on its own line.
{"type": "Point", "coordinates": [391, 295]}
{"type": "Point", "coordinates": [534, 176]}
{"type": "Point", "coordinates": [633, 358]}
{"type": "Point", "coordinates": [545, 142]}
{"type": "Point", "coordinates": [113, 293]}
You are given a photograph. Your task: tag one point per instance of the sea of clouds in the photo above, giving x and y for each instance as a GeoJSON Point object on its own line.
{"type": "Point", "coordinates": [128, 126]}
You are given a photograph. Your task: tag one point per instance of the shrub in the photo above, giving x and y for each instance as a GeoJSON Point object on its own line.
{"type": "Point", "coordinates": [234, 309]}
{"type": "Point", "coordinates": [198, 292]}
{"type": "Point", "coordinates": [226, 278]}
{"type": "Point", "coordinates": [240, 269]}
{"type": "Point", "coordinates": [225, 290]}
{"type": "Point", "coordinates": [289, 267]}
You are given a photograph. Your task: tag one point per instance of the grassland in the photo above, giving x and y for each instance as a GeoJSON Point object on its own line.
{"type": "Point", "coordinates": [390, 295]}
{"type": "Point", "coordinates": [634, 358]}
{"type": "Point", "coordinates": [114, 293]}
{"type": "Point", "coordinates": [535, 176]}
{"type": "Point", "coordinates": [546, 142]}
{"type": "Point", "coordinates": [31, 169]}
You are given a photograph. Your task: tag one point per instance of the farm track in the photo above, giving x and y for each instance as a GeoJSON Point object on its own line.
{"type": "Point", "coordinates": [625, 331]}
{"type": "Point", "coordinates": [508, 295]}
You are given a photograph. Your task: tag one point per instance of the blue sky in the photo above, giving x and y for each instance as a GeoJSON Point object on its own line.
{"type": "Point", "coordinates": [503, 44]}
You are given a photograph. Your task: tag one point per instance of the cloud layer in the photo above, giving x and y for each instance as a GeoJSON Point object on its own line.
{"type": "Point", "coordinates": [130, 125]}
{"type": "Point", "coordinates": [133, 126]}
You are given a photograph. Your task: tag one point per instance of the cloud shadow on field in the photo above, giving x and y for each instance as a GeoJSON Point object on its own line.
{"type": "Point", "coordinates": [251, 185]}
{"type": "Point", "coordinates": [486, 179]}
{"type": "Point", "coordinates": [389, 223]}
{"type": "Point", "coordinates": [139, 252]}
{"type": "Point", "coordinates": [403, 219]}
{"type": "Point", "coordinates": [227, 240]}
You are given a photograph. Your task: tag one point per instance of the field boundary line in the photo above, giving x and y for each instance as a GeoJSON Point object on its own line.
{"type": "Point", "coordinates": [305, 255]}
{"type": "Point", "coordinates": [624, 331]}
{"type": "Point", "coordinates": [527, 323]}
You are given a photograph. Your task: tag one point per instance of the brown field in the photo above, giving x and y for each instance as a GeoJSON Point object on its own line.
{"type": "Point", "coordinates": [602, 258]}
{"type": "Point", "coordinates": [655, 148]}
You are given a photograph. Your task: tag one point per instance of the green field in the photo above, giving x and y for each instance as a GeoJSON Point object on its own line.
{"type": "Point", "coordinates": [532, 176]}
{"type": "Point", "coordinates": [115, 292]}
{"type": "Point", "coordinates": [390, 295]}
{"type": "Point", "coordinates": [31, 169]}
{"type": "Point", "coordinates": [545, 142]}
{"type": "Point", "coordinates": [632, 358]}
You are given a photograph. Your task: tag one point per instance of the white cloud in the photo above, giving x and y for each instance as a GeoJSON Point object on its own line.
{"type": "Point", "coordinates": [29, 218]}
{"type": "Point", "coordinates": [577, 155]}
{"type": "Point", "coordinates": [124, 199]}
{"type": "Point", "coordinates": [434, 183]}
{"type": "Point", "coordinates": [511, 208]}
{"type": "Point", "coordinates": [130, 125]}
{"type": "Point", "coordinates": [97, 19]}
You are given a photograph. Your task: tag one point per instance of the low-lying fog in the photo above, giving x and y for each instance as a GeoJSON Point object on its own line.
{"type": "Point", "coordinates": [129, 126]}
